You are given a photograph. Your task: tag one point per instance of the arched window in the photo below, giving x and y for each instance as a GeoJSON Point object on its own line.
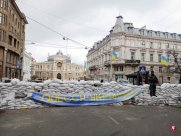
{"type": "Point", "coordinates": [59, 65]}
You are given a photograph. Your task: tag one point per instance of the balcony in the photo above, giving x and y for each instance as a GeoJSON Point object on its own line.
{"type": "Point", "coordinates": [93, 67]}
{"type": "Point", "coordinates": [132, 62]}
{"type": "Point", "coordinates": [107, 63]}
{"type": "Point", "coordinates": [119, 62]}
{"type": "Point", "coordinates": [118, 72]}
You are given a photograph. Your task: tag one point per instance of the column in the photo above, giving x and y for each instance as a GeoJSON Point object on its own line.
{"type": "Point", "coordinates": [4, 62]}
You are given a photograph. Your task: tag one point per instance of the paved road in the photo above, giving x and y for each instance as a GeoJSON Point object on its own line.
{"type": "Point", "coordinates": [91, 121]}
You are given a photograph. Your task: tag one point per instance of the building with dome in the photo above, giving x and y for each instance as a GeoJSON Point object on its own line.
{"type": "Point", "coordinates": [57, 66]}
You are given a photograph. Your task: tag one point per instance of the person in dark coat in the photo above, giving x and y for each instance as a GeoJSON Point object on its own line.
{"type": "Point", "coordinates": [153, 81]}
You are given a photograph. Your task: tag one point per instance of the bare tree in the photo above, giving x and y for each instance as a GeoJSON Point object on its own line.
{"type": "Point", "coordinates": [177, 62]}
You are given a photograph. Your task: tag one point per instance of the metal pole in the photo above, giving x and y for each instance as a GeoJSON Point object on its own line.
{"type": "Point", "coordinates": [67, 74]}
{"type": "Point", "coordinates": [66, 45]}
{"type": "Point", "coordinates": [162, 78]}
{"type": "Point", "coordinates": [111, 67]}
{"type": "Point", "coordinates": [111, 61]}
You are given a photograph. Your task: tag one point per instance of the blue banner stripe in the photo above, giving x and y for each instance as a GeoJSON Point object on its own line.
{"type": "Point", "coordinates": [164, 58]}
{"type": "Point", "coordinates": [95, 99]}
{"type": "Point", "coordinates": [114, 54]}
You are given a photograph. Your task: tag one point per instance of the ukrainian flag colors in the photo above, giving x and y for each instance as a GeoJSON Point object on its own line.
{"type": "Point", "coordinates": [164, 60]}
{"type": "Point", "coordinates": [114, 56]}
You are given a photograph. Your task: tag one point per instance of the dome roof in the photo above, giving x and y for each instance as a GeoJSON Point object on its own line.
{"type": "Point", "coordinates": [59, 53]}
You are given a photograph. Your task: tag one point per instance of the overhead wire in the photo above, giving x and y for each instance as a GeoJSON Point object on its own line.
{"type": "Point", "coordinates": [67, 38]}
{"type": "Point", "coordinates": [53, 46]}
{"type": "Point", "coordinates": [60, 18]}
{"type": "Point", "coordinates": [37, 43]}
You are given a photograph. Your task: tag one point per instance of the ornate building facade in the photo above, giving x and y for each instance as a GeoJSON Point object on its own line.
{"type": "Point", "coordinates": [12, 39]}
{"type": "Point", "coordinates": [27, 61]}
{"type": "Point", "coordinates": [134, 47]}
{"type": "Point", "coordinates": [58, 66]}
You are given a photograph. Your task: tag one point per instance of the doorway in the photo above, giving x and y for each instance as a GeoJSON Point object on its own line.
{"type": "Point", "coordinates": [59, 76]}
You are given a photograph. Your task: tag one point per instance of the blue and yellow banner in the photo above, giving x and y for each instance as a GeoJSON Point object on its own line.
{"type": "Point", "coordinates": [164, 60]}
{"type": "Point", "coordinates": [84, 100]}
{"type": "Point", "coordinates": [114, 56]}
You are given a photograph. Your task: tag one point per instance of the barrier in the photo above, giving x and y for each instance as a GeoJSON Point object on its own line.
{"type": "Point", "coordinates": [84, 100]}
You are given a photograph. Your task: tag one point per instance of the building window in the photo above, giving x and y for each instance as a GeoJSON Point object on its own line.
{"type": "Point", "coordinates": [159, 46]}
{"type": "Point", "coordinates": [142, 56]}
{"type": "Point", "coordinates": [2, 35]}
{"type": "Point", "coordinates": [166, 35]}
{"type": "Point", "coordinates": [10, 40]}
{"type": "Point", "coordinates": [160, 69]}
{"type": "Point", "coordinates": [167, 46]}
{"type": "Point", "coordinates": [151, 57]}
{"type": "Point", "coordinates": [149, 33]}
{"type": "Point", "coordinates": [179, 36]}
{"type": "Point", "coordinates": [132, 55]}
{"type": "Point", "coordinates": [2, 18]}
{"type": "Point", "coordinates": [151, 45]}
{"type": "Point", "coordinates": [141, 32]}
{"type": "Point", "coordinates": [59, 65]}
{"type": "Point", "coordinates": [119, 68]}
{"type": "Point", "coordinates": [159, 57]}
{"type": "Point", "coordinates": [168, 70]}
{"type": "Point", "coordinates": [143, 44]}
{"type": "Point", "coordinates": [18, 45]}
{"type": "Point", "coordinates": [168, 79]}
{"type": "Point", "coordinates": [3, 4]}
{"type": "Point", "coordinates": [175, 47]}
{"type": "Point", "coordinates": [158, 33]}
{"type": "Point", "coordinates": [151, 68]}
{"type": "Point", "coordinates": [15, 41]}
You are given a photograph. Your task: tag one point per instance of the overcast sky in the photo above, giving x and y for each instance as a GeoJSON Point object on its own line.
{"type": "Point", "coordinates": [88, 21]}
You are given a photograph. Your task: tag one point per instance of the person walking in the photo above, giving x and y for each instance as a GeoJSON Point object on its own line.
{"type": "Point", "coordinates": [153, 81]}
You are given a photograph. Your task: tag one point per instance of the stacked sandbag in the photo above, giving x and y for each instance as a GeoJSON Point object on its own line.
{"type": "Point", "coordinates": [167, 94]}
{"type": "Point", "coordinates": [16, 95]}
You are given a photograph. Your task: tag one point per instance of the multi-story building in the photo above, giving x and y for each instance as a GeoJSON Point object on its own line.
{"type": "Point", "coordinates": [134, 47]}
{"type": "Point", "coordinates": [27, 61]}
{"type": "Point", "coordinates": [12, 38]}
{"type": "Point", "coordinates": [58, 66]}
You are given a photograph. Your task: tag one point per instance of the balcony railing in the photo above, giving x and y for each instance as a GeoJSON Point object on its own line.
{"type": "Point", "coordinates": [93, 67]}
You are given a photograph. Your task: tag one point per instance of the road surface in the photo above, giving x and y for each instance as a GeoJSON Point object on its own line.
{"type": "Point", "coordinates": [124, 120]}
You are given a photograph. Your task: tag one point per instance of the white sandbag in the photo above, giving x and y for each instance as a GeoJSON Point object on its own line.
{"type": "Point", "coordinates": [15, 81]}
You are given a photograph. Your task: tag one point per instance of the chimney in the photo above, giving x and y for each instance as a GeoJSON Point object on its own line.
{"type": "Point", "coordinates": [119, 26]}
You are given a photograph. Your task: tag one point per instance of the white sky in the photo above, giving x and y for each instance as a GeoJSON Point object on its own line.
{"type": "Point", "coordinates": [88, 21]}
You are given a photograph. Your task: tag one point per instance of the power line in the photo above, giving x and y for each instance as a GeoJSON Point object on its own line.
{"type": "Point", "coordinates": [76, 42]}
{"type": "Point", "coordinates": [60, 18]}
{"type": "Point", "coordinates": [53, 46]}
{"type": "Point", "coordinates": [32, 41]}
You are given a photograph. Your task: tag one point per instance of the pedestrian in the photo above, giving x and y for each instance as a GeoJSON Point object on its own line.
{"type": "Point", "coordinates": [153, 81]}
